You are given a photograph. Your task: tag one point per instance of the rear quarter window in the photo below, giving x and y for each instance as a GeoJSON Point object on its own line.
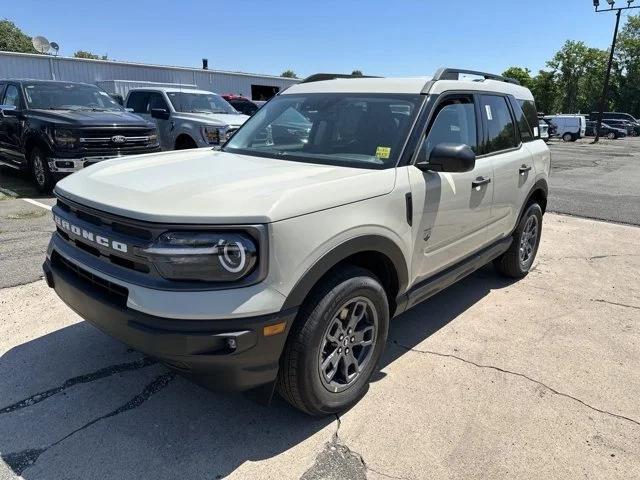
{"type": "Point", "coordinates": [530, 113]}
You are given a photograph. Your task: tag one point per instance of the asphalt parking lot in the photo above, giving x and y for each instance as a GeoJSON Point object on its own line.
{"type": "Point", "coordinates": [489, 379]}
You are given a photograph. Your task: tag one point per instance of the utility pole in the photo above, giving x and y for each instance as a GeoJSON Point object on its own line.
{"type": "Point", "coordinates": [607, 77]}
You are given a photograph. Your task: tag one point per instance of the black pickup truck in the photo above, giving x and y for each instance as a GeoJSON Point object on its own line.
{"type": "Point", "coordinates": [52, 128]}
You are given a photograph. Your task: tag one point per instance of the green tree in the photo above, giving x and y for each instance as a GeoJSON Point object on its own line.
{"type": "Point", "coordinates": [86, 54]}
{"type": "Point", "coordinates": [523, 75]}
{"type": "Point", "coordinates": [357, 73]}
{"type": "Point", "coordinates": [289, 74]}
{"type": "Point", "coordinates": [12, 39]}
{"type": "Point", "coordinates": [628, 58]}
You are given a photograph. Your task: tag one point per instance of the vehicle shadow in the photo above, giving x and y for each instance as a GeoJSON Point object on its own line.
{"type": "Point", "coordinates": [18, 183]}
{"type": "Point", "coordinates": [76, 404]}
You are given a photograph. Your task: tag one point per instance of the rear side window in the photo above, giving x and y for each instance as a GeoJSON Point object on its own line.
{"type": "Point", "coordinates": [526, 130]}
{"type": "Point", "coordinates": [501, 130]}
{"type": "Point", "coordinates": [138, 101]}
{"type": "Point", "coordinates": [530, 113]}
{"type": "Point", "coordinates": [455, 122]}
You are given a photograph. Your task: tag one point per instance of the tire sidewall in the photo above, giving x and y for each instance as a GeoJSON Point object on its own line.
{"type": "Point", "coordinates": [533, 209]}
{"type": "Point", "coordinates": [48, 176]}
{"type": "Point", "coordinates": [567, 137]}
{"type": "Point", "coordinates": [317, 394]}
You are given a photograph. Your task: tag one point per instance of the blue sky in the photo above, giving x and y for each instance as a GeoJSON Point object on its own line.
{"type": "Point", "coordinates": [394, 38]}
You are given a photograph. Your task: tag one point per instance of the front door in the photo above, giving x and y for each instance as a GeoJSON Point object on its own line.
{"type": "Point", "coordinates": [11, 126]}
{"type": "Point", "coordinates": [452, 210]}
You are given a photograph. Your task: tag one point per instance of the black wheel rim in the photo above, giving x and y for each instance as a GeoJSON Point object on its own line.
{"type": "Point", "coordinates": [347, 344]}
{"type": "Point", "coordinates": [528, 242]}
{"type": "Point", "coordinates": [38, 169]}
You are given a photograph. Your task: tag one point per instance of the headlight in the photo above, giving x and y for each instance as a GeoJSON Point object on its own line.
{"type": "Point", "coordinates": [211, 134]}
{"type": "Point", "coordinates": [65, 138]}
{"type": "Point", "coordinates": [203, 256]}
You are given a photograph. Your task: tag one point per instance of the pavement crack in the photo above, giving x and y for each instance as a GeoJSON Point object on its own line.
{"type": "Point", "coordinates": [626, 305]}
{"type": "Point", "coordinates": [20, 461]}
{"type": "Point", "coordinates": [521, 375]}
{"type": "Point", "coordinates": [86, 378]}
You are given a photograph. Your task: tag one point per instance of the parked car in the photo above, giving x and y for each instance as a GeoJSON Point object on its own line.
{"type": "Point", "coordinates": [241, 104]}
{"type": "Point", "coordinates": [605, 130]}
{"type": "Point", "coordinates": [52, 129]}
{"type": "Point", "coordinates": [631, 129]}
{"type": "Point", "coordinates": [543, 127]}
{"type": "Point", "coordinates": [614, 116]}
{"type": "Point", "coordinates": [186, 118]}
{"type": "Point", "coordinates": [279, 262]}
{"type": "Point", "coordinates": [568, 127]}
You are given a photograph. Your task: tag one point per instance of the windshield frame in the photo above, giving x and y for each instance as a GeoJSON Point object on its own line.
{"type": "Point", "coordinates": [112, 105]}
{"type": "Point", "coordinates": [417, 99]}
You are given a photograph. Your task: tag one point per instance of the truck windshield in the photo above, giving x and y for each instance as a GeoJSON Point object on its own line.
{"type": "Point", "coordinates": [200, 103]}
{"type": "Point", "coordinates": [68, 96]}
{"type": "Point", "coordinates": [356, 130]}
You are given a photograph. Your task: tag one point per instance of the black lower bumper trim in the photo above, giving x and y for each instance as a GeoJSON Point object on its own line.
{"type": "Point", "coordinates": [226, 354]}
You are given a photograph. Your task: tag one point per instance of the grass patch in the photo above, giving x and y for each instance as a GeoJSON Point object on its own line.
{"type": "Point", "coordinates": [27, 215]}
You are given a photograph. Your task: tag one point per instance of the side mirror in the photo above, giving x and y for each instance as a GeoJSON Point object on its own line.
{"type": "Point", "coordinates": [449, 157]}
{"type": "Point", "coordinates": [161, 113]}
{"type": "Point", "coordinates": [6, 110]}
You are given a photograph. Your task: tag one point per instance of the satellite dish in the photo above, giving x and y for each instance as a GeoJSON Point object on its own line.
{"type": "Point", "coordinates": [41, 44]}
{"type": "Point", "coordinates": [55, 47]}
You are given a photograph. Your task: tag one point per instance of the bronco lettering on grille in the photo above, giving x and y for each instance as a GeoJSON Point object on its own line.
{"type": "Point", "coordinates": [90, 236]}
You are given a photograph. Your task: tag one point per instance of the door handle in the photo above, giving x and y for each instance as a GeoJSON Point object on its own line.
{"type": "Point", "coordinates": [524, 169]}
{"type": "Point", "coordinates": [478, 182]}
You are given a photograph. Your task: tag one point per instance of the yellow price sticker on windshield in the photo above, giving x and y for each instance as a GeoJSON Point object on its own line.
{"type": "Point", "coordinates": [383, 152]}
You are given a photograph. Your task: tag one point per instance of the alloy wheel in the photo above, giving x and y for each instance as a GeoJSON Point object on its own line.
{"type": "Point", "coordinates": [348, 343]}
{"type": "Point", "coordinates": [528, 241]}
{"type": "Point", "coordinates": [38, 169]}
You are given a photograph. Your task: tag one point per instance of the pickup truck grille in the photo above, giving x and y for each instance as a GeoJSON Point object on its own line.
{"type": "Point", "coordinates": [118, 139]}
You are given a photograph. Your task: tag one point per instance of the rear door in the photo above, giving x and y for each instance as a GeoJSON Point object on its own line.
{"type": "Point", "coordinates": [507, 134]}
{"type": "Point", "coordinates": [453, 209]}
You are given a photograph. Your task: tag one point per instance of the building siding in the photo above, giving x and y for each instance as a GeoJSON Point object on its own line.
{"type": "Point", "coordinates": [46, 67]}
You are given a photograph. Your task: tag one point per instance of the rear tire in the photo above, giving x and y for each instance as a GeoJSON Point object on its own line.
{"type": "Point", "coordinates": [516, 262]}
{"type": "Point", "coordinates": [335, 344]}
{"type": "Point", "coordinates": [40, 172]}
{"type": "Point", "coordinates": [567, 137]}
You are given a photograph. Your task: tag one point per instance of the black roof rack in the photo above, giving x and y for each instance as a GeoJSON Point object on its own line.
{"type": "Point", "coordinates": [319, 77]}
{"type": "Point", "coordinates": [454, 74]}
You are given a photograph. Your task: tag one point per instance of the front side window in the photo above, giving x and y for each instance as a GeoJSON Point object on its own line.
{"type": "Point", "coordinates": [137, 101]}
{"type": "Point", "coordinates": [356, 130]}
{"type": "Point", "coordinates": [68, 96]}
{"type": "Point", "coordinates": [11, 97]}
{"type": "Point", "coordinates": [156, 101]}
{"type": "Point", "coordinates": [199, 103]}
{"type": "Point", "coordinates": [501, 131]}
{"type": "Point", "coordinates": [455, 122]}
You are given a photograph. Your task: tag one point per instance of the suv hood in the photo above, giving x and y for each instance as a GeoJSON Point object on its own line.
{"type": "Point", "coordinates": [222, 119]}
{"type": "Point", "coordinates": [87, 118]}
{"type": "Point", "coordinates": [206, 186]}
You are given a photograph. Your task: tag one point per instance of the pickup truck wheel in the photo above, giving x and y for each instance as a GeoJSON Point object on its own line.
{"type": "Point", "coordinates": [40, 170]}
{"type": "Point", "coordinates": [517, 261]}
{"type": "Point", "coordinates": [335, 344]}
{"type": "Point", "coordinates": [611, 135]}
{"type": "Point", "coordinates": [567, 137]}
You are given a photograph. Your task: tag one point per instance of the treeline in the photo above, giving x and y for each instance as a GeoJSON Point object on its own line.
{"type": "Point", "coordinates": [574, 78]}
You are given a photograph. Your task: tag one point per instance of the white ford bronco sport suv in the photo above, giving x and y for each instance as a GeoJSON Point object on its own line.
{"type": "Point", "coordinates": [278, 262]}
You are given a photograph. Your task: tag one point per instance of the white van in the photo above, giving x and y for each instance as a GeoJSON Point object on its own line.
{"type": "Point", "coordinates": [569, 127]}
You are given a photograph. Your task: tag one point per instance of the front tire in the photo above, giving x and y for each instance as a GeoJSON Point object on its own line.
{"type": "Point", "coordinates": [516, 262]}
{"type": "Point", "coordinates": [40, 171]}
{"type": "Point", "coordinates": [611, 136]}
{"type": "Point", "coordinates": [335, 344]}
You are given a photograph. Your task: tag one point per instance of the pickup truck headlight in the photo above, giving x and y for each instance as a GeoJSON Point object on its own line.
{"type": "Point", "coordinates": [211, 134]}
{"type": "Point", "coordinates": [65, 138]}
{"type": "Point", "coordinates": [203, 256]}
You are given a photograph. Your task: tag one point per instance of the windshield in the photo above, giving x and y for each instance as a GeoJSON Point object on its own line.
{"type": "Point", "coordinates": [200, 103]}
{"type": "Point", "coordinates": [357, 130]}
{"type": "Point", "coordinates": [68, 96]}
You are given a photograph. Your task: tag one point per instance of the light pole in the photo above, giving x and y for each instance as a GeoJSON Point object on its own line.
{"type": "Point", "coordinates": [605, 88]}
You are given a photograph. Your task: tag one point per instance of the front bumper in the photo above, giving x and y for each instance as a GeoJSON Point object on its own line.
{"type": "Point", "coordinates": [222, 354]}
{"type": "Point", "coordinates": [60, 164]}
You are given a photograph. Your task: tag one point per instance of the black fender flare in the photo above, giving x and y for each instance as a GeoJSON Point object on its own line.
{"type": "Point", "coordinates": [365, 243]}
{"type": "Point", "coordinates": [540, 185]}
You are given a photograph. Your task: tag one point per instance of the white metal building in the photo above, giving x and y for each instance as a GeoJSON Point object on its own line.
{"type": "Point", "coordinates": [105, 72]}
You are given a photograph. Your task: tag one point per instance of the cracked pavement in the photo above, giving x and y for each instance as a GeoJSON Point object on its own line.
{"type": "Point", "coordinates": [489, 379]}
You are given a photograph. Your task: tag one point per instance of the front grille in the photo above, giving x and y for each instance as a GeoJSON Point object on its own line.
{"type": "Point", "coordinates": [120, 139]}
{"type": "Point", "coordinates": [115, 293]}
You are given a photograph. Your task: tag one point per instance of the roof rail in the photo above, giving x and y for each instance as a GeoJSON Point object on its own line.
{"type": "Point", "coordinates": [319, 77]}
{"type": "Point", "coordinates": [454, 74]}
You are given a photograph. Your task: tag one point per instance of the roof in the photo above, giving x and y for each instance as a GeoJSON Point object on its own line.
{"type": "Point", "coordinates": [35, 80]}
{"type": "Point", "coordinates": [411, 85]}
